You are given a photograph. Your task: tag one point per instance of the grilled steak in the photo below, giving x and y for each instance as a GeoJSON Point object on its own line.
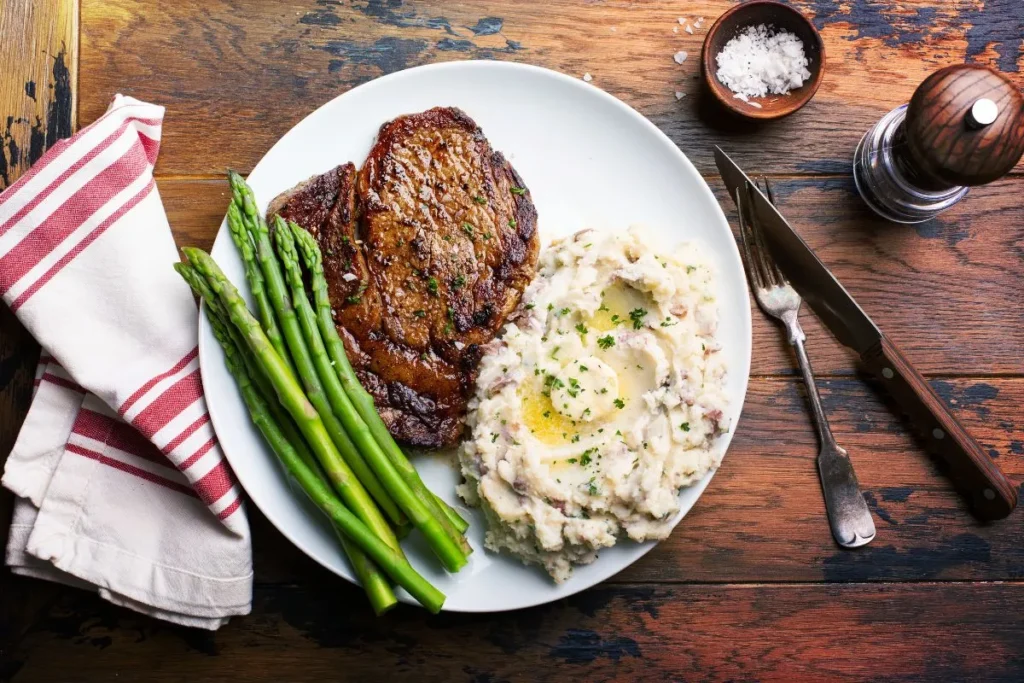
{"type": "Point", "coordinates": [427, 250]}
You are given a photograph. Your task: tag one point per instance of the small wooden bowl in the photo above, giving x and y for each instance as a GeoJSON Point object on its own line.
{"type": "Point", "coordinates": [780, 17]}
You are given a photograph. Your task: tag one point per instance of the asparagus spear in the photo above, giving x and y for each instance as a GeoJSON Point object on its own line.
{"type": "Point", "coordinates": [291, 396]}
{"type": "Point", "coordinates": [444, 546]}
{"type": "Point", "coordinates": [361, 398]}
{"type": "Point", "coordinates": [254, 276]}
{"type": "Point", "coordinates": [301, 354]}
{"type": "Point", "coordinates": [379, 592]}
{"type": "Point", "coordinates": [382, 598]}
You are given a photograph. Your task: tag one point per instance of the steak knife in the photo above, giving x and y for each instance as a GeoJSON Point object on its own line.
{"type": "Point", "coordinates": [971, 469]}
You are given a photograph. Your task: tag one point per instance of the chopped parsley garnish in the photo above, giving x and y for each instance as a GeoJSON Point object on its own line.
{"type": "Point", "coordinates": [432, 285]}
{"type": "Point", "coordinates": [552, 382]}
{"type": "Point", "coordinates": [584, 368]}
{"type": "Point", "coordinates": [592, 487]}
{"type": "Point", "coordinates": [420, 313]}
{"type": "Point", "coordinates": [571, 461]}
{"type": "Point", "coordinates": [668, 322]}
{"type": "Point", "coordinates": [448, 328]}
{"type": "Point", "coordinates": [620, 404]}
{"type": "Point", "coordinates": [528, 307]}
{"type": "Point", "coordinates": [616, 319]}
{"type": "Point", "coordinates": [519, 190]}
{"type": "Point", "coordinates": [690, 269]}
{"type": "Point", "coordinates": [564, 311]}
{"type": "Point", "coordinates": [581, 328]}
{"type": "Point", "coordinates": [494, 437]}
{"type": "Point", "coordinates": [585, 459]}
{"type": "Point", "coordinates": [606, 342]}
{"type": "Point", "coordinates": [576, 438]}
{"type": "Point", "coordinates": [685, 426]}
{"type": "Point", "coordinates": [358, 296]}
{"type": "Point", "coordinates": [458, 281]}
{"type": "Point", "coordinates": [554, 353]}
{"type": "Point", "coordinates": [574, 387]}
{"type": "Point", "coordinates": [547, 413]}
{"type": "Point", "coordinates": [479, 200]}
{"type": "Point", "coordinates": [551, 307]}
{"type": "Point", "coordinates": [602, 307]}
{"type": "Point", "coordinates": [637, 316]}
{"type": "Point", "coordinates": [512, 223]}
{"type": "Point", "coordinates": [488, 235]}
{"type": "Point", "coordinates": [604, 390]}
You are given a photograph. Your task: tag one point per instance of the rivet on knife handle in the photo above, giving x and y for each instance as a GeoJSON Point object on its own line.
{"type": "Point", "coordinates": [972, 471]}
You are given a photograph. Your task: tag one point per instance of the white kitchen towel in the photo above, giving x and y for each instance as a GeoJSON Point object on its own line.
{"type": "Point", "coordinates": [122, 485]}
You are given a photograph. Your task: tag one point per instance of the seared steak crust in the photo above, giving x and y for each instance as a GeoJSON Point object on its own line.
{"type": "Point", "coordinates": [427, 251]}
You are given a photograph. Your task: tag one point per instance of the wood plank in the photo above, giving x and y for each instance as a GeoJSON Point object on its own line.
{"type": "Point", "coordinates": [39, 53]}
{"type": "Point", "coordinates": [947, 291]}
{"type": "Point", "coordinates": [313, 632]}
{"type": "Point", "coordinates": [252, 70]}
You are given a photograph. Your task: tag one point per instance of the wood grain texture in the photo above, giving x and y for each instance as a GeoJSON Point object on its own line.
{"type": "Point", "coordinates": [974, 472]}
{"type": "Point", "coordinates": [238, 75]}
{"type": "Point", "coordinates": [944, 147]}
{"type": "Point", "coordinates": [39, 54]}
{"type": "Point", "coordinates": [750, 586]}
{"type": "Point", "coordinates": [789, 633]}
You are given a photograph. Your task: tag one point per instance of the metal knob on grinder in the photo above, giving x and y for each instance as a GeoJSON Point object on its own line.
{"type": "Point", "coordinates": [964, 126]}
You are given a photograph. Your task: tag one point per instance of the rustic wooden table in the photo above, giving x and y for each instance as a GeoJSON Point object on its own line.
{"type": "Point", "coordinates": [750, 586]}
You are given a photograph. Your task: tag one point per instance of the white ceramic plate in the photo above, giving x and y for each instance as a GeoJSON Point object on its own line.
{"type": "Point", "coordinates": [589, 161]}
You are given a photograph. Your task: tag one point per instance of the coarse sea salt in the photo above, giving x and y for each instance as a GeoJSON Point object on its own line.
{"type": "Point", "coordinates": [680, 56]}
{"type": "Point", "coordinates": [760, 60]}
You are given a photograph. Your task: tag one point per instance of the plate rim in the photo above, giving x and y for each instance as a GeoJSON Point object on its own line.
{"type": "Point", "coordinates": [643, 548]}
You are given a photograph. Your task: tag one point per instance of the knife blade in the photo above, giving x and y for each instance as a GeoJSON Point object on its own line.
{"type": "Point", "coordinates": [972, 470]}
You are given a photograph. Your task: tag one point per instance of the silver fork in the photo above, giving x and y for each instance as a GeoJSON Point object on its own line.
{"type": "Point", "coordinates": [848, 514]}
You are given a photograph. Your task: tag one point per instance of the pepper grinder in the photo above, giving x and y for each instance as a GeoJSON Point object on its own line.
{"type": "Point", "coordinates": [964, 126]}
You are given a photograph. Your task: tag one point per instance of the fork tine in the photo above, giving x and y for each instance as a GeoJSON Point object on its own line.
{"type": "Point", "coordinates": [771, 198]}
{"type": "Point", "coordinates": [764, 261]}
{"type": "Point", "coordinates": [768, 190]}
{"type": "Point", "coordinates": [771, 271]}
{"type": "Point", "coordinates": [747, 240]}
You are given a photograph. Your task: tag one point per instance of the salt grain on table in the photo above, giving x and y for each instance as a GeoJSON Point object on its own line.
{"type": "Point", "coordinates": [689, 29]}
{"type": "Point", "coordinates": [760, 60]}
{"type": "Point", "coordinates": [680, 56]}
{"type": "Point", "coordinates": [588, 78]}
{"type": "Point", "coordinates": [680, 95]}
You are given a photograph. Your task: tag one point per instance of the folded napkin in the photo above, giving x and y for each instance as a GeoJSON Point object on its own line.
{"type": "Point", "coordinates": [122, 485]}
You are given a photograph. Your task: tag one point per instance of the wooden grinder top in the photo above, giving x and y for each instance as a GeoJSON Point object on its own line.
{"type": "Point", "coordinates": [964, 126]}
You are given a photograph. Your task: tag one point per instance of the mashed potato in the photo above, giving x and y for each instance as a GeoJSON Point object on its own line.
{"type": "Point", "coordinates": [598, 403]}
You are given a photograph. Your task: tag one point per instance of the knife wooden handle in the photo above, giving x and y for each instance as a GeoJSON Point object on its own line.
{"type": "Point", "coordinates": [973, 472]}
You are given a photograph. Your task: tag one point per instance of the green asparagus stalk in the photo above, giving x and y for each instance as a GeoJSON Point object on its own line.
{"type": "Point", "coordinates": [291, 396]}
{"type": "Point", "coordinates": [444, 546]}
{"type": "Point", "coordinates": [379, 592]}
{"type": "Point", "coordinates": [359, 397]}
{"type": "Point", "coordinates": [254, 276]}
{"type": "Point", "coordinates": [199, 285]}
{"type": "Point", "coordinates": [301, 355]}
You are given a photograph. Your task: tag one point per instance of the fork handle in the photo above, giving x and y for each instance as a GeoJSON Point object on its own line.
{"type": "Point", "coordinates": [973, 472]}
